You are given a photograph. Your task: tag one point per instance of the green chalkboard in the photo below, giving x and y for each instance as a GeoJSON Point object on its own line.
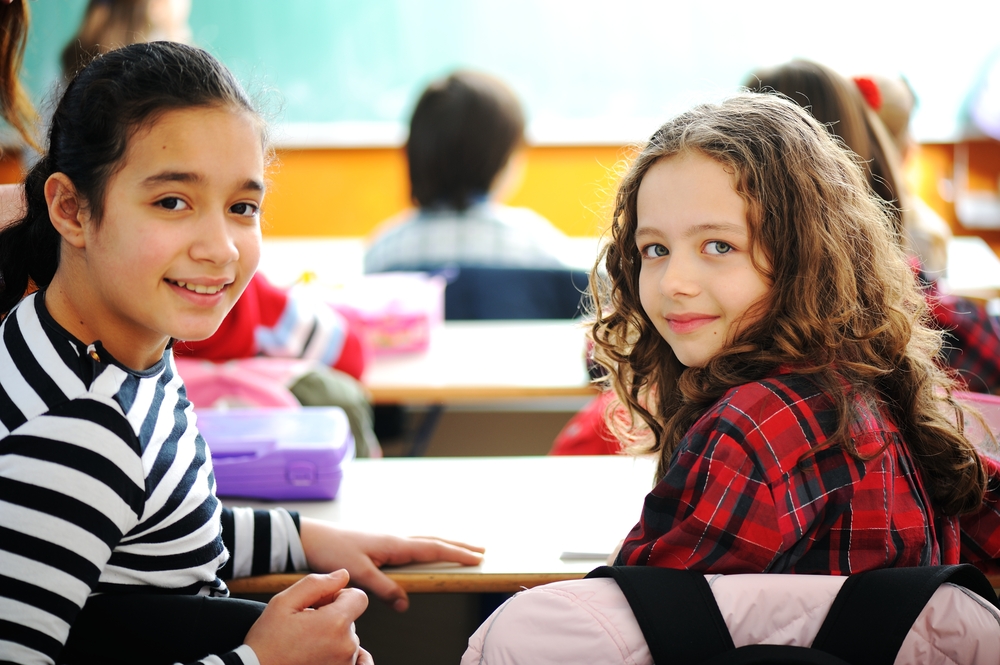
{"type": "Point", "coordinates": [594, 66]}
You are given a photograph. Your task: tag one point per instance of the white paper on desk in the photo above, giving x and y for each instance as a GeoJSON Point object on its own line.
{"type": "Point", "coordinates": [572, 555]}
{"type": "Point", "coordinates": [582, 549]}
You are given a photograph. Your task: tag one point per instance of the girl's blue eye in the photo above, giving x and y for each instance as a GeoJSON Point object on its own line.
{"type": "Point", "coordinates": [718, 247]}
{"type": "Point", "coordinates": [172, 203]}
{"type": "Point", "coordinates": [244, 209]}
{"type": "Point", "coordinates": [654, 251]}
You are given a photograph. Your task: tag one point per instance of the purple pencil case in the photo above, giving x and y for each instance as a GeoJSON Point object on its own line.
{"type": "Point", "coordinates": [278, 453]}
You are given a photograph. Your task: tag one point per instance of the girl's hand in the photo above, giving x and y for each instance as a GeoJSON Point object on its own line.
{"type": "Point", "coordinates": [311, 621]}
{"type": "Point", "coordinates": [328, 547]}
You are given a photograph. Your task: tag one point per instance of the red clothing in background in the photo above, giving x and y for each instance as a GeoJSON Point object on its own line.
{"type": "Point", "coordinates": [268, 321]}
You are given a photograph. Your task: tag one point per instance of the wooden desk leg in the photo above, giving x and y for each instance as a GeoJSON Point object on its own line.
{"type": "Point", "coordinates": [422, 437]}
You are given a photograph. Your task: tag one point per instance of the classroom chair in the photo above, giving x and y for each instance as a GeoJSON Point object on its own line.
{"type": "Point", "coordinates": [475, 293]}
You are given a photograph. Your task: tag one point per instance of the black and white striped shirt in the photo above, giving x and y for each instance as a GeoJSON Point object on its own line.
{"type": "Point", "coordinates": [106, 485]}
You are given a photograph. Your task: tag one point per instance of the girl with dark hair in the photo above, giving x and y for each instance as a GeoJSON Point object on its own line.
{"type": "Point", "coordinates": [143, 227]}
{"type": "Point", "coordinates": [768, 342]}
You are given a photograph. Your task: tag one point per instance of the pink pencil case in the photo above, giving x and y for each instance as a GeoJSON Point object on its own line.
{"type": "Point", "coordinates": [274, 454]}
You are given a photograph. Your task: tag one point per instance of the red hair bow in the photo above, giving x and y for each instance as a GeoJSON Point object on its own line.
{"type": "Point", "coordinates": [869, 90]}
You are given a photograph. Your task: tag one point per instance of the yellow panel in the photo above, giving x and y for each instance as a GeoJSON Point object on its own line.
{"type": "Point", "coordinates": [10, 167]}
{"type": "Point", "coordinates": [348, 192]}
{"type": "Point", "coordinates": [574, 187]}
{"type": "Point", "coordinates": [334, 192]}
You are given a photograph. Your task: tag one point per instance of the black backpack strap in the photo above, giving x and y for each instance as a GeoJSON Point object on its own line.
{"type": "Point", "coordinates": [676, 612]}
{"type": "Point", "coordinates": [873, 612]}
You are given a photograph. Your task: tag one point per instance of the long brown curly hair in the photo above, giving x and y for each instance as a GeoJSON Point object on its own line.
{"type": "Point", "coordinates": [844, 305]}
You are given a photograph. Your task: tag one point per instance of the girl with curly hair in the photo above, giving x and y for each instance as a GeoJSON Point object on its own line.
{"type": "Point", "coordinates": [767, 340]}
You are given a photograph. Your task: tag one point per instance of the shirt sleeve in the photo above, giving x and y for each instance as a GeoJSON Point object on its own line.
{"type": "Point", "coordinates": [243, 655]}
{"type": "Point", "coordinates": [972, 344]}
{"type": "Point", "coordinates": [980, 531]}
{"type": "Point", "coordinates": [71, 484]}
{"type": "Point", "coordinates": [261, 542]}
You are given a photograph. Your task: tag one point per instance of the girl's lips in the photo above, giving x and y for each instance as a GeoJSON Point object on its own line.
{"type": "Point", "coordinates": [190, 292]}
{"type": "Point", "coordinates": [689, 323]}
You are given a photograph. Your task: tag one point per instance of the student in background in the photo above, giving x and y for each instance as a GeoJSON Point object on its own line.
{"type": "Point", "coordinates": [142, 227]}
{"type": "Point", "coordinates": [894, 101]}
{"type": "Point", "coordinates": [837, 102]}
{"type": "Point", "coordinates": [764, 331]}
{"type": "Point", "coordinates": [15, 107]}
{"type": "Point", "coordinates": [463, 153]}
{"type": "Point", "coordinates": [111, 24]}
{"type": "Point", "coordinates": [972, 351]}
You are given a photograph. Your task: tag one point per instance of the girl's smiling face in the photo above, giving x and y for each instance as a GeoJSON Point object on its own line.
{"type": "Point", "coordinates": [696, 280]}
{"type": "Point", "coordinates": [178, 241]}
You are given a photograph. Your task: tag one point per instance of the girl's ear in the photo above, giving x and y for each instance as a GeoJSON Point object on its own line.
{"type": "Point", "coordinates": [67, 211]}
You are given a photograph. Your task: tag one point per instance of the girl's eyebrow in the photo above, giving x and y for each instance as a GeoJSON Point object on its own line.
{"type": "Point", "coordinates": [719, 227]}
{"type": "Point", "coordinates": [194, 178]}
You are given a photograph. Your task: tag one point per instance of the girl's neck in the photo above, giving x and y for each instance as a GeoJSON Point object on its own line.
{"type": "Point", "coordinates": [73, 306]}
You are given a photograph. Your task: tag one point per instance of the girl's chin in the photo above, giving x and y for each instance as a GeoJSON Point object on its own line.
{"type": "Point", "coordinates": [196, 333]}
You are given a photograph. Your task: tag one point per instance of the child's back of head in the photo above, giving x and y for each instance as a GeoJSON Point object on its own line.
{"type": "Point", "coordinates": [463, 131]}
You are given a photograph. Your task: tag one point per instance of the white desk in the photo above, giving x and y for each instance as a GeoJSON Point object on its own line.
{"type": "Point", "coordinates": [526, 511]}
{"type": "Point", "coordinates": [333, 261]}
{"type": "Point", "coordinates": [472, 361]}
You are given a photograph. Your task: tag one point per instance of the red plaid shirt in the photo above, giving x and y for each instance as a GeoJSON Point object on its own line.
{"type": "Point", "coordinates": [972, 344]}
{"type": "Point", "coordinates": [736, 499]}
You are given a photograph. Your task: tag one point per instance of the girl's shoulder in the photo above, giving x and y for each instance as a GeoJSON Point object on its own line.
{"type": "Point", "coordinates": [776, 420]}
{"type": "Point", "coordinates": [783, 391]}
{"type": "Point", "coordinates": [773, 421]}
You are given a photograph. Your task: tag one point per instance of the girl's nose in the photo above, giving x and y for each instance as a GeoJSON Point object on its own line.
{"type": "Point", "coordinates": [214, 242]}
{"type": "Point", "coordinates": [679, 277]}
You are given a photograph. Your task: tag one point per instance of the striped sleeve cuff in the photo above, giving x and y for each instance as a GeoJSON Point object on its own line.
{"type": "Point", "coordinates": [242, 655]}
{"type": "Point", "coordinates": [265, 541]}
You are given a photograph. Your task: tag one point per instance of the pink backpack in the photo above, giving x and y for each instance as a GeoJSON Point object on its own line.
{"type": "Point", "coordinates": [251, 382]}
{"type": "Point", "coordinates": [671, 622]}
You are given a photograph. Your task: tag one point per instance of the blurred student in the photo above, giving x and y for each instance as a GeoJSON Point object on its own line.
{"type": "Point", "coordinates": [111, 24]}
{"type": "Point", "coordinates": [15, 106]}
{"type": "Point", "coordinates": [848, 109]}
{"type": "Point", "coordinates": [464, 155]}
{"type": "Point", "coordinates": [972, 350]}
{"type": "Point", "coordinates": [893, 100]}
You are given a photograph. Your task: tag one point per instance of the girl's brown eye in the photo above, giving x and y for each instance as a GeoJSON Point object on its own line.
{"type": "Point", "coordinates": [244, 209]}
{"type": "Point", "coordinates": [171, 203]}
